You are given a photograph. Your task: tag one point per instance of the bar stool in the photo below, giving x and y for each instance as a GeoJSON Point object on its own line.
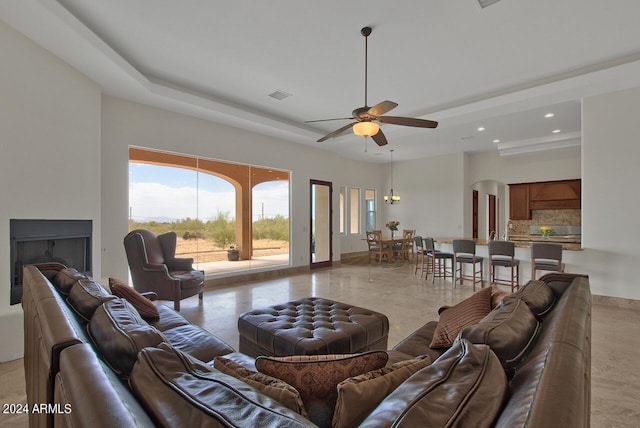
{"type": "Point", "coordinates": [546, 256]}
{"type": "Point", "coordinates": [437, 261]}
{"type": "Point", "coordinates": [501, 254]}
{"type": "Point", "coordinates": [464, 252]}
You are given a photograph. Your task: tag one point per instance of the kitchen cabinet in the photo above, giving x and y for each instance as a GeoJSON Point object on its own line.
{"type": "Point", "coordinates": [544, 195]}
{"type": "Point", "coordinates": [551, 195]}
{"type": "Point", "coordinates": [519, 202]}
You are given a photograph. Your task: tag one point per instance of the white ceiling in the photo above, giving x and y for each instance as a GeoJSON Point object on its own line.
{"type": "Point", "coordinates": [502, 67]}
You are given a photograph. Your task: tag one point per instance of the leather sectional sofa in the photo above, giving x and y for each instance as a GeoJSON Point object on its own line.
{"type": "Point", "coordinates": [96, 362]}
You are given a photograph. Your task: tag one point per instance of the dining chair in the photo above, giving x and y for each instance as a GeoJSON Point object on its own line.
{"type": "Point", "coordinates": [376, 249]}
{"type": "Point", "coordinates": [546, 256]}
{"type": "Point", "coordinates": [502, 254]}
{"type": "Point", "coordinates": [464, 252]}
{"type": "Point", "coordinates": [402, 248]}
{"type": "Point", "coordinates": [437, 261]}
{"type": "Point", "coordinates": [421, 253]}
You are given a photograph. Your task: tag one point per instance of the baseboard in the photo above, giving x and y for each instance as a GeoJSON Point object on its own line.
{"type": "Point", "coordinates": [616, 302]}
{"type": "Point", "coordinates": [254, 276]}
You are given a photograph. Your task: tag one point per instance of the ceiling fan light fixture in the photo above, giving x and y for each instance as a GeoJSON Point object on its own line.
{"type": "Point", "coordinates": [366, 129]}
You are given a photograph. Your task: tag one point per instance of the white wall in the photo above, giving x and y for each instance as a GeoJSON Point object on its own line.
{"type": "Point", "coordinates": [50, 155]}
{"type": "Point", "coordinates": [432, 195]}
{"type": "Point", "coordinates": [610, 220]}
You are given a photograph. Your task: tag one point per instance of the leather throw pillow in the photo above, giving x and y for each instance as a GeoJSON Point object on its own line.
{"type": "Point", "coordinates": [145, 307]}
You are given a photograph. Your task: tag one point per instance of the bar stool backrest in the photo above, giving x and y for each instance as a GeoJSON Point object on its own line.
{"type": "Point", "coordinates": [502, 248]}
{"type": "Point", "coordinates": [546, 251]}
{"type": "Point", "coordinates": [464, 246]}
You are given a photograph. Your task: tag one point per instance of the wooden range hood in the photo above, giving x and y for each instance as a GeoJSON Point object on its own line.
{"type": "Point", "coordinates": [543, 195]}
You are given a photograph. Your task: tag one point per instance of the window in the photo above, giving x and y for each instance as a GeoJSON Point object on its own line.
{"type": "Point", "coordinates": [354, 211]}
{"type": "Point", "coordinates": [212, 206]}
{"type": "Point", "coordinates": [343, 213]}
{"type": "Point", "coordinates": [370, 204]}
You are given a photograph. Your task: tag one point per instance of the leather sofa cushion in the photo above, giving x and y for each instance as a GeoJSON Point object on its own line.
{"type": "Point", "coordinates": [316, 377]}
{"type": "Point", "coordinates": [509, 331]}
{"type": "Point", "coordinates": [270, 386]}
{"type": "Point", "coordinates": [65, 278]}
{"type": "Point", "coordinates": [119, 333]}
{"type": "Point", "coordinates": [538, 296]}
{"type": "Point", "coordinates": [497, 296]}
{"type": "Point", "coordinates": [465, 387]}
{"type": "Point", "coordinates": [178, 391]}
{"type": "Point", "coordinates": [86, 296]}
{"type": "Point", "coordinates": [360, 395]}
{"type": "Point", "coordinates": [197, 342]}
{"type": "Point", "coordinates": [468, 312]}
{"type": "Point", "coordinates": [145, 307]}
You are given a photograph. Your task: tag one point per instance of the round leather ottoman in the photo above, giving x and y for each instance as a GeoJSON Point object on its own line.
{"type": "Point", "coordinates": [312, 326]}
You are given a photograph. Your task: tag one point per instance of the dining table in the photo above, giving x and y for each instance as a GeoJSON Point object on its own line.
{"type": "Point", "coordinates": [390, 241]}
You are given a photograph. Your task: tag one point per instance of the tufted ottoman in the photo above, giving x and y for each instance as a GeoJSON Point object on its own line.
{"type": "Point", "coordinates": [312, 326]}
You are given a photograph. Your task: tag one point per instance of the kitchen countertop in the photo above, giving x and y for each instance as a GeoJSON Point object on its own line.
{"type": "Point", "coordinates": [571, 243]}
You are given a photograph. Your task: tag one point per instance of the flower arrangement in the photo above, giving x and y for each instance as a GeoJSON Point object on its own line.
{"type": "Point", "coordinates": [393, 225]}
{"type": "Point", "coordinates": [546, 231]}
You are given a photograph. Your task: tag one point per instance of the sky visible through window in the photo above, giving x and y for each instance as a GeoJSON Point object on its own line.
{"type": "Point", "coordinates": [163, 194]}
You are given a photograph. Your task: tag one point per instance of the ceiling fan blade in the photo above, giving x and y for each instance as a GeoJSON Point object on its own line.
{"type": "Point", "coordinates": [379, 138]}
{"type": "Point", "coordinates": [408, 121]}
{"type": "Point", "coordinates": [336, 132]}
{"type": "Point", "coordinates": [382, 108]}
{"type": "Point", "coordinates": [327, 120]}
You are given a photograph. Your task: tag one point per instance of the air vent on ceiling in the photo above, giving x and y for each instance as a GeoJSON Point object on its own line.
{"type": "Point", "coordinates": [279, 95]}
{"type": "Point", "coordinates": [485, 3]}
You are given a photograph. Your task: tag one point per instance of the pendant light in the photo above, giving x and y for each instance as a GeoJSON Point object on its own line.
{"type": "Point", "coordinates": [391, 198]}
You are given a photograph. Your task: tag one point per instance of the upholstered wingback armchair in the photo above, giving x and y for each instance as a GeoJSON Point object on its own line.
{"type": "Point", "coordinates": [154, 267]}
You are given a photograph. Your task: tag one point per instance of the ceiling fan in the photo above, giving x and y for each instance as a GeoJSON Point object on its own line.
{"type": "Point", "coordinates": [366, 117]}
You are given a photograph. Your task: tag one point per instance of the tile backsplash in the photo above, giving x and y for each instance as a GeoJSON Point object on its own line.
{"type": "Point", "coordinates": [546, 218]}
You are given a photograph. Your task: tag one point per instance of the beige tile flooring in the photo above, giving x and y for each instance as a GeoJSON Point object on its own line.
{"type": "Point", "coordinates": [409, 302]}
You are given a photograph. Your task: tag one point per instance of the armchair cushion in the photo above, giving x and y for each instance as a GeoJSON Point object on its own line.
{"type": "Point", "coordinates": [145, 307]}
{"type": "Point", "coordinates": [168, 243]}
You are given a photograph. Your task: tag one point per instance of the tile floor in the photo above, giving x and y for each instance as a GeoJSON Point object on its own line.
{"type": "Point", "coordinates": [409, 302]}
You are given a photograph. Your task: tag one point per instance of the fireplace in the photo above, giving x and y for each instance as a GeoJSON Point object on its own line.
{"type": "Point", "coordinates": [39, 241]}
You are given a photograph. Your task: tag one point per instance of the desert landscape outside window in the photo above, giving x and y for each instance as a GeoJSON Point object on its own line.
{"type": "Point", "coordinates": [205, 202]}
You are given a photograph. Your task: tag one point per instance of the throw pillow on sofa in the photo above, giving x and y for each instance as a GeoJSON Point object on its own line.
{"type": "Point", "coordinates": [86, 296]}
{"type": "Point", "coordinates": [508, 330]}
{"type": "Point", "coordinates": [468, 312]}
{"type": "Point", "coordinates": [145, 307]}
{"type": "Point", "coordinates": [465, 387]}
{"type": "Point", "coordinates": [178, 391]}
{"type": "Point", "coordinates": [119, 333]}
{"type": "Point", "coordinates": [270, 386]}
{"type": "Point", "coordinates": [360, 395]}
{"type": "Point", "coordinates": [316, 377]}
{"type": "Point", "coordinates": [539, 297]}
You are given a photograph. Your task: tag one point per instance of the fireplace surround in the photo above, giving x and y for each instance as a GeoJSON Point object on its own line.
{"type": "Point", "coordinates": [39, 241]}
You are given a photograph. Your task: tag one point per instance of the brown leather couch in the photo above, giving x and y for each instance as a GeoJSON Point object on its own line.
{"type": "Point", "coordinates": [527, 364]}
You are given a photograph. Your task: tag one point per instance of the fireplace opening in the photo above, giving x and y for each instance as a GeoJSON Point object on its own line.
{"type": "Point", "coordinates": [40, 241]}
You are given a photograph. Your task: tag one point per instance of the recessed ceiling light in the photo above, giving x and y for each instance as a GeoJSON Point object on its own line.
{"type": "Point", "coordinates": [481, 128]}
{"type": "Point", "coordinates": [496, 141]}
{"type": "Point", "coordinates": [548, 115]}
{"type": "Point", "coordinates": [555, 131]}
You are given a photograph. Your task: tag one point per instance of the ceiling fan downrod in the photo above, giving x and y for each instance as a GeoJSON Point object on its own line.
{"type": "Point", "coordinates": [366, 31]}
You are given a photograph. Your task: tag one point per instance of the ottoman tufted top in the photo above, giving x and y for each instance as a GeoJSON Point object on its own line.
{"type": "Point", "coordinates": [313, 325]}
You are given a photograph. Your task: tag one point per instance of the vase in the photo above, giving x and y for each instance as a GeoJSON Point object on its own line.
{"type": "Point", "coordinates": [392, 234]}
